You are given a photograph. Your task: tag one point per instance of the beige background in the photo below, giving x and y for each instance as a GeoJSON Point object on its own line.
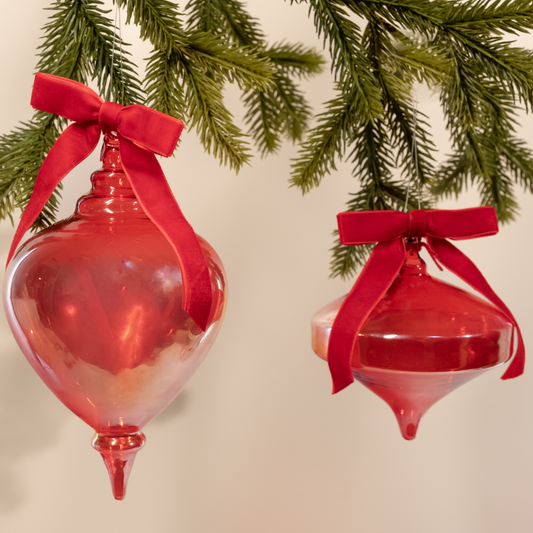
{"type": "Point", "coordinates": [256, 443]}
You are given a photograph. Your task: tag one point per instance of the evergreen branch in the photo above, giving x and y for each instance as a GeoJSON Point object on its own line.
{"type": "Point", "coordinates": [273, 111]}
{"type": "Point", "coordinates": [421, 16]}
{"type": "Point", "coordinates": [210, 117]}
{"type": "Point", "coordinates": [164, 88]}
{"type": "Point", "coordinates": [22, 151]}
{"type": "Point", "coordinates": [294, 59]}
{"type": "Point", "coordinates": [511, 66]}
{"type": "Point", "coordinates": [281, 109]}
{"type": "Point", "coordinates": [230, 62]}
{"type": "Point", "coordinates": [226, 18]}
{"type": "Point", "coordinates": [518, 159]}
{"type": "Point", "coordinates": [110, 63]}
{"type": "Point", "coordinates": [453, 176]}
{"type": "Point", "coordinates": [421, 62]}
{"type": "Point", "coordinates": [325, 142]}
{"type": "Point", "coordinates": [159, 22]}
{"type": "Point", "coordinates": [200, 61]}
{"type": "Point", "coordinates": [349, 62]}
{"type": "Point", "coordinates": [484, 17]}
{"type": "Point", "coordinates": [480, 115]}
{"type": "Point", "coordinates": [499, 193]}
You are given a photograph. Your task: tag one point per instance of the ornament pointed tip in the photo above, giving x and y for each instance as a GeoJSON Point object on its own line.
{"type": "Point", "coordinates": [408, 420]}
{"type": "Point", "coordinates": [118, 452]}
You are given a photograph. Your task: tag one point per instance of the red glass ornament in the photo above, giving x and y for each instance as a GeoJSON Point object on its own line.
{"type": "Point", "coordinates": [94, 303]}
{"type": "Point", "coordinates": [424, 339]}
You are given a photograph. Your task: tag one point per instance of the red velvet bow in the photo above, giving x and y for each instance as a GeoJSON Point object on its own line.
{"type": "Point", "coordinates": [389, 229]}
{"type": "Point", "coordinates": [142, 132]}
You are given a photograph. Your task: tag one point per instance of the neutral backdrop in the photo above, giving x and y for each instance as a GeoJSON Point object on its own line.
{"type": "Point", "coordinates": [256, 443]}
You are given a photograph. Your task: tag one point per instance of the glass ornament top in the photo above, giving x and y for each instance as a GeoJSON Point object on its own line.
{"type": "Point", "coordinates": [423, 339]}
{"type": "Point", "coordinates": [95, 303]}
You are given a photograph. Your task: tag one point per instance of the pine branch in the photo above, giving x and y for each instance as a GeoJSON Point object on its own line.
{"type": "Point", "coordinates": [108, 58]}
{"type": "Point", "coordinates": [202, 62]}
{"type": "Point", "coordinates": [229, 62]}
{"type": "Point", "coordinates": [159, 22]}
{"type": "Point", "coordinates": [78, 45]}
{"type": "Point", "coordinates": [21, 155]}
{"type": "Point", "coordinates": [274, 111]}
{"type": "Point", "coordinates": [480, 114]}
{"type": "Point", "coordinates": [294, 59]}
{"type": "Point", "coordinates": [280, 110]}
{"type": "Point", "coordinates": [349, 62]}
{"type": "Point", "coordinates": [374, 144]}
{"type": "Point", "coordinates": [485, 17]}
{"type": "Point", "coordinates": [206, 111]}
{"type": "Point", "coordinates": [420, 16]}
{"type": "Point", "coordinates": [163, 84]}
{"type": "Point", "coordinates": [226, 18]}
{"type": "Point", "coordinates": [326, 141]}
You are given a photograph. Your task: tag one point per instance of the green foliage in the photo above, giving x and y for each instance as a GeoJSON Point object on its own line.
{"type": "Point", "coordinates": [454, 46]}
{"type": "Point", "coordinates": [185, 76]}
{"type": "Point", "coordinates": [280, 109]}
{"type": "Point", "coordinates": [379, 50]}
{"type": "Point", "coordinates": [78, 45]}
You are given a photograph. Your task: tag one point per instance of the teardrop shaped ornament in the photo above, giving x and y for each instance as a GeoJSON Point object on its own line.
{"type": "Point", "coordinates": [95, 304]}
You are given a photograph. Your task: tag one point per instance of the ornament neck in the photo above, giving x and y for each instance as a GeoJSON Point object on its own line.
{"type": "Point", "coordinates": [413, 264]}
{"type": "Point", "coordinates": [111, 193]}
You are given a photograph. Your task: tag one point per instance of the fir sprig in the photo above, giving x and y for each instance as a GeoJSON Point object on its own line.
{"type": "Point", "coordinates": [200, 62]}
{"type": "Point", "coordinates": [455, 46]}
{"type": "Point", "coordinates": [279, 110]}
{"type": "Point", "coordinates": [185, 77]}
{"type": "Point", "coordinates": [78, 45]}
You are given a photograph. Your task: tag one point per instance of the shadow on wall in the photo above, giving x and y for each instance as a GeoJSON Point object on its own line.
{"type": "Point", "coordinates": [176, 408]}
{"type": "Point", "coordinates": [30, 417]}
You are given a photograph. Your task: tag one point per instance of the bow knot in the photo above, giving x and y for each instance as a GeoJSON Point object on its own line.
{"type": "Point", "coordinates": [417, 223]}
{"type": "Point", "coordinates": [141, 132]}
{"type": "Point", "coordinates": [108, 116]}
{"type": "Point", "coordinates": [388, 229]}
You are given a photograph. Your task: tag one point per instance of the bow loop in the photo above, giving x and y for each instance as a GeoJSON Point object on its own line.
{"type": "Point", "coordinates": [389, 229]}
{"type": "Point", "coordinates": [108, 116]}
{"type": "Point", "coordinates": [142, 132]}
{"type": "Point", "coordinates": [149, 129]}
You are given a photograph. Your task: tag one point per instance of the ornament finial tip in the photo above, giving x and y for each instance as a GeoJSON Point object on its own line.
{"type": "Point", "coordinates": [118, 453]}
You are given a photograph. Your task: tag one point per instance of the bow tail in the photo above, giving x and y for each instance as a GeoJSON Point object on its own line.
{"type": "Point", "coordinates": [376, 277]}
{"type": "Point", "coordinates": [74, 145]}
{"type": "Point", "coordinates": [155, 196]}
{"type": "Point", "coordinates": [458, 263]}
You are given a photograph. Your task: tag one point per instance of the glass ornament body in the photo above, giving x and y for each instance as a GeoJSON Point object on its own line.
{"type": "Point", "coordinates": [94, 303]}
{"type": "Point", "coordinates": [424, 339]}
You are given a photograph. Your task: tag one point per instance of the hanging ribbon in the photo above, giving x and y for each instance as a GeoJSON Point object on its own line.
{"type": "Point", "coordinates": [142, 132]}
{"type": "Point", "coordinates": [389, 229]}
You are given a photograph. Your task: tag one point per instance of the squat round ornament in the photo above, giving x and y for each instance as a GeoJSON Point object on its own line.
{"type": "Point", "coordinates": [97, 304]}
{"type": "Point", "coordinates": [410, 338]}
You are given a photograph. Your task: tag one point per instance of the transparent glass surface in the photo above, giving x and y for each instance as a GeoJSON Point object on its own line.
{"type": "Point", "coordinates": [423, 339]}
{"type": "Point", "coordinates": [94, 303]}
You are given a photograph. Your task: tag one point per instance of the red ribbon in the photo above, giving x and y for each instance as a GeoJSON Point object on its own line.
{"type": "Point", "coordinates": [389, 229]}
{"type": "Point", "coordinates": [142, 132]}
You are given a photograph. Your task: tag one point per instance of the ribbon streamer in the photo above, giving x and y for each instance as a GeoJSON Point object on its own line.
{"type": "Point", "coordinates": [389, 229]}
{"type": "Point", "coordinates": [142, 132]}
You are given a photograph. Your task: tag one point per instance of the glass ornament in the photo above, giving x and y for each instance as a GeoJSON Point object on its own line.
{"type": "Point", "coordinates": [94, 303]}
{"type": "Point", "coordinates": [424, 339]}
